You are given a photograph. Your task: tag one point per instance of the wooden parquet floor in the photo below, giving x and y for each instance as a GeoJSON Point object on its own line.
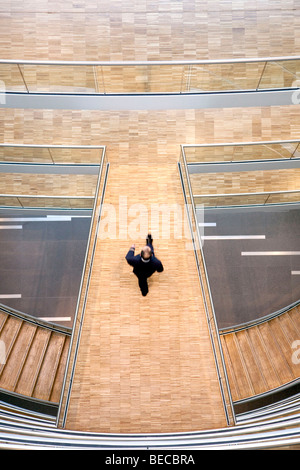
{"type": "Point", "coordinates": [145, 364]}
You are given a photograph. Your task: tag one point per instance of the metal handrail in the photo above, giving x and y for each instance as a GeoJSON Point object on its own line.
{"type": "Point", "coordinates": [234, 144]}
{"type": "Point", "coordinates": [151, 62]}
{"type": "Point", "coordinates": [6, 144]}
{"type": "Point", "coordinates": [289, 191]}
{"type": "Point", "coordinates": [31, 319]}
{"type": "Point", "coordinates": [259, 321]}
{"type": "Point", "coordinates": [263, 434]}
{"type": "Point", "coordinates": [35, 196]}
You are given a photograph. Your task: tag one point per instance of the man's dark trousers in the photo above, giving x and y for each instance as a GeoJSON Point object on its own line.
{"type": "Point", "coordinates": [143, 283]}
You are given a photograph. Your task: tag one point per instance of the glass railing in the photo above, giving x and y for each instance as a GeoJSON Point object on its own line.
{"type": "Point", "coordinates": [241, 152]}
{"type": "Point", "coordinates": [247, 199]}
{"type": "Point", "coordinates": [150, 76]}
{"type": "Point", "coordinates": [217, 181]}
{"type": "Point", "coordinates": [51, 154]}
{"type": "Point", "coordinates": [18, 201]}
{"type": "Point", "coordinates": [205, 287]}
{"type": "Point", "coordinates": [63, 177]}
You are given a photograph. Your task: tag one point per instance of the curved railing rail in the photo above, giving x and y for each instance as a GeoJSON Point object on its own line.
{"type": "Point", "coordinates": [36, 321]}
{"type": "Point", "coordinates": [32, 405]}
{"type": "Point", "coordinates": [275, 397]}
{"type": "Point", "coordinates": [259, 321]}
{"type": "Point", "coordinates": [13, 413]}
{"type": "Point", "coordinates": [275, 433]}
{"type": "Point", "coordinates": [287, 405]}
{"type": "Point", "coordinates": [183, 76]}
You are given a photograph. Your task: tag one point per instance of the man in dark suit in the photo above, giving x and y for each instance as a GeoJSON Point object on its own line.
{"type": "Point", "coordinates": [145, 264]}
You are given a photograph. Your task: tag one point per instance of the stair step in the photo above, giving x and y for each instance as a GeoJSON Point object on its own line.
{"type": "Point", "coordinates": [285, 336]}
{"type": "Point", "coordinates": [242, 383]}
{"type": "Point", "coordinates": [266, 365]}
{"type": "Point", "coordinates": [31, 369]}
{"type": "Point", "coordinates": [276, 352]}
{"type": "Point", "coordinates": [17, 357]}
{"type": "Point", "coordinates": [57, 386]}
{"type": "Point", "coordinates": [3, 319]}
{"type": "Point", "coordinates": [49, 367]}
{"type": "Point", "coordinates": [230, 367]}
{"type": "Point", "coordinates": [8, 335]}
{"type": "Point", "coordinates": [251, 363]}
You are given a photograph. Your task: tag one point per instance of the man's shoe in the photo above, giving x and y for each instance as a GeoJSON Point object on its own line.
{"type": "Point", "coordinates": [149, 239]}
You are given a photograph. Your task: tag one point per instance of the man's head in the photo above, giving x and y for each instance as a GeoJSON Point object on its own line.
{"type": "Point", "coordinates": [146, 253]}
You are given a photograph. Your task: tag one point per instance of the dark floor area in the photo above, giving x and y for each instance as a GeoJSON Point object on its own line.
{"type": "Point", "coordinates": [41, 264]}
{"type": "Point", "coordinates": [247, 287]}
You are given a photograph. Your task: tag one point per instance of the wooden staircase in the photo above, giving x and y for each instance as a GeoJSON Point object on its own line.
{"type": "Point", "coordinates": [35, 357]}
{"type": "Point", "coordinates": [264, 356]}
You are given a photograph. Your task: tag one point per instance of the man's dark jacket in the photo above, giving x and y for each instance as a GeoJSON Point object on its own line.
{"type": "Point", "coordinates": [142, 269]}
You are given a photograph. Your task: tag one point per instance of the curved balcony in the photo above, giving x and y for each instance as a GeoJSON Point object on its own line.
{"type": "Point", "coordinates": [258, 355]}
{"type": "Point", "coordinates": [153, 84]}
{"type": "Point", "coordinates": [198, 76]}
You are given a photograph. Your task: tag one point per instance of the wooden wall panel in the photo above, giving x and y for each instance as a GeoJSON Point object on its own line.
{"type": "Point", "coordinates": [48, 185]}
{"type": "Point", "coordinates": [148, 29]}
{"type": "Point", "coordinates": [132, 136]}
